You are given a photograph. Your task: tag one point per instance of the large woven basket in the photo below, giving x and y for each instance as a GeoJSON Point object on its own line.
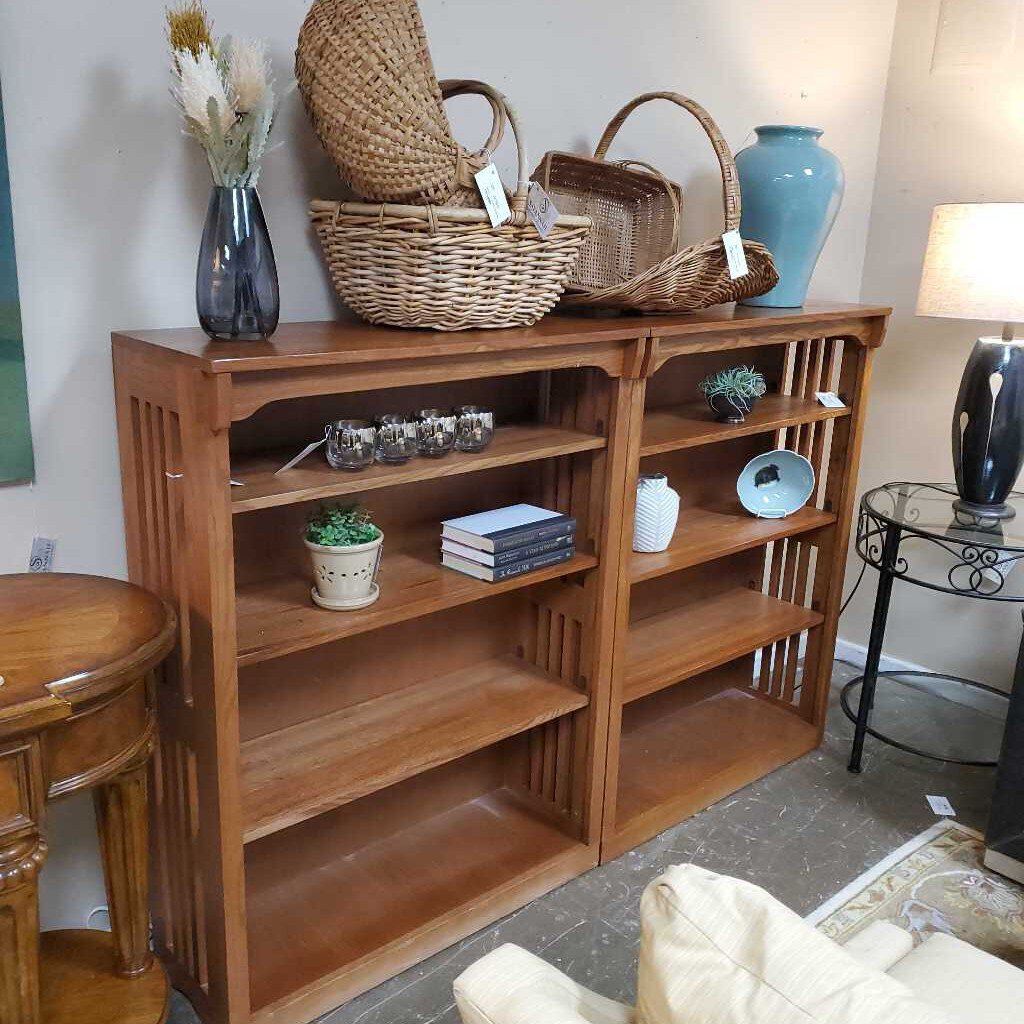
{"type": "Point", "coordinates": [445, 267]}
{"type": "Point", "coordinates": [368, 82]}
{"type": "Point", "coordinates": [698, 276]}
{"type": "Point", "coordinates": [635, 214]}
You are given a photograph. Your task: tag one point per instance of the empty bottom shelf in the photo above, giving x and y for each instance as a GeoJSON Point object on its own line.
{"type": "Point", "coordinates": [326, 925]}
{"type": "Point", "coordinates": [676, 763]}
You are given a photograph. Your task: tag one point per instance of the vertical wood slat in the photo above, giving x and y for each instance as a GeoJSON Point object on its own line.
{"type": "Point", "coordinates": [147, 501]}
{"type": "Point", "coordinates": [774, 576]}
{"type": "Point", "coordinates": [160, 853]}
{"type": "Point", "coordinates": [812, 448]}
{"type": "Point", "coordinates": [160, 480]}
{"type": "Point", "coordinates": [198, 923]}
{"type": "Point", "coordinates": [177, 534]}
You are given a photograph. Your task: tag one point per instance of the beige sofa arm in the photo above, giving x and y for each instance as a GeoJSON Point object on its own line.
{"type": "Point", "coordinates": [511, 986]}
{"type": "Point", "coordinates": [881, 945]}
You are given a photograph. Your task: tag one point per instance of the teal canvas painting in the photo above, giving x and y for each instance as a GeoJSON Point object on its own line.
{"type": "Point", "coordinates": [15, 436]}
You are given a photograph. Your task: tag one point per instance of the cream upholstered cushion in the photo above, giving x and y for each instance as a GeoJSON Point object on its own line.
{"type": "Point", "coordinates": [715, 950]}
{"type": "Point", "coordinates": [511, 986]}
{"type": "Point", "coordinates": [879, 945]}
{"type": "Point", "coordinates": [972, 987]}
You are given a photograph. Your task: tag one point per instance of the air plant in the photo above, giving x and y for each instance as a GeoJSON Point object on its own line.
{"type": "Point", "coordinates": [225, 92]}
{"type": "Point", "coordinates": [732, 393]}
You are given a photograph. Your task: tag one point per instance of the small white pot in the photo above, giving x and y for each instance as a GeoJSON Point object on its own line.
{"type": "Point", "coordinates": [344, 578]}
{"type": "Point", "coordinates": [657, 509]}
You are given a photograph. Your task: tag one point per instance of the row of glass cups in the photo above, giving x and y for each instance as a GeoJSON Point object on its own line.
{"type": "Point", "coordinates": [395, 438]}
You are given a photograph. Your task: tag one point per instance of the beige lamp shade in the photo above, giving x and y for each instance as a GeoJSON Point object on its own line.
{"type": "Point", "coordinates": [974, 263]}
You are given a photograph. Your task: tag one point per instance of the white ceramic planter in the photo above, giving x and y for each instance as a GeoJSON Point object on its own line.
{"type": "Point", "coordinates": [657, 510]}
{"type": "Point", "coordinates": [344, 578]}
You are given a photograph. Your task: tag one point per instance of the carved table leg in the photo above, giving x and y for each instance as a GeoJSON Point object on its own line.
{"type": "Point", "coordinates": [21, 857]}
{"type": "Point", "coordinates": [121, 817]}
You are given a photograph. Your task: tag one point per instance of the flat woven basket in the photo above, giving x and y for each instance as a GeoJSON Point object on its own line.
{"type": "Point", "coordinates": [368, 82]}
{"type": "Point", "coordinates": [635, 214]}
{"type": "Point", "coordinates": [698, 276]}
{"type": "Point", "coordinates": [445, 267]}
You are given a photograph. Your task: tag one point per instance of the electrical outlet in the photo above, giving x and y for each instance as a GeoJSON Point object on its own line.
{"type": "Point", "coordinates": [41, 558]}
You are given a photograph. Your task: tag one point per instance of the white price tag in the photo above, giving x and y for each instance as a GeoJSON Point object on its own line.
{"type": "Point", "coordinates": [941, 806]}
{"type": "Point", "coordinates": [541, 209]}
{"type": "Point", "coordinates": [829, 399]}
{"type": "Point", "coordinates": [298, 458]}
{"type": "Point", "coordinates": [734, 254]}
{"type": "Point", "coordinates": [493, 194]}
{"type": "Point", "coordinates": [41, 558]}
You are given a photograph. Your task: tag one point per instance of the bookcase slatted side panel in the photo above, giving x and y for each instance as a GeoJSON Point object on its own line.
{"type": "Point", "coordinates": [158, 561]}
{"type": "Point", "coordinates": [550, 766]}
{"type": "Point", "coordinates": [810, 367]}
{"type": "Point", "coordinates": [179, 927]}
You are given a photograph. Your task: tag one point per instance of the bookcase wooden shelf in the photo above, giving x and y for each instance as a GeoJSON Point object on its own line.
{"type": "Point", "coordinates": [355, 751]}
{"type": "Point", "coordinates": [277, 616]}
{"type": "Point", "coordinates": [338, 795]}
{"type": "Point", "coordinates": [262, 487]}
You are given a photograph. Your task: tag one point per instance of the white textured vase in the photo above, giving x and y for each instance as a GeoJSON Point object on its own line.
{"type": "Point", "coordinates": [657, 509]}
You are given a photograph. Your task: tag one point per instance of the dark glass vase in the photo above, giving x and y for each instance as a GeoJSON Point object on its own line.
{"type": "Point", "coordinates": [236, 279]}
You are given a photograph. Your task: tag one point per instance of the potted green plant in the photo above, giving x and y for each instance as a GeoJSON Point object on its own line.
{"type": "Point", "coordinates": [345, 547]}
{"type": "Point", "coordinates": [732, 393]}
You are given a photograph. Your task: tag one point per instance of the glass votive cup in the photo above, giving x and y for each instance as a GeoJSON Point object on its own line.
{"type": "Point", "coordinates": [350, 444]}
{"type": "Point", "coordinates": [435, 432]}
{"type": "Point", "coordinates": [474, 429]}
{"type": "Point", "coordinates": [396, 438]}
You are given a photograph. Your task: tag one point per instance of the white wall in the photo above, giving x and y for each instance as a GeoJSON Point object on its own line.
{"type": "Point", "coordinates": [946, 137]}
{"type": "Point", "coordinates": [109, 197]}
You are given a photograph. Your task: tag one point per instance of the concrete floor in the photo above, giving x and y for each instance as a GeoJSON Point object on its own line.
{"type": "Point", "coordinates": [803, 833]}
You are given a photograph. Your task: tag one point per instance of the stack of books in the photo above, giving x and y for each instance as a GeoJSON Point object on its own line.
{"type": "Point", "coordinates": [507, 542]}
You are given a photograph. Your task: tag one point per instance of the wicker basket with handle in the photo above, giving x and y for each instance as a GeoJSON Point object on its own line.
{"type": "Point", "coordinates": [367, 79]}
{"type": "Point", "coordinates": [446, 267]}
{"type": "Point", "coordinates": [698, 276]}
{"type": "Point", "coordinates": [635, 214]}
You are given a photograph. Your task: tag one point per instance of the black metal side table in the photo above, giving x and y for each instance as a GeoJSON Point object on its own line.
{"type": "Point", "coordinates": [976, 560]}
{"type": "Point", "coordinates": [895, 521]}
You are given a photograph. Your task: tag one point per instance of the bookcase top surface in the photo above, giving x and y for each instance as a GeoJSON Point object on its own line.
{"type": "Point", "coordinates": [329, 342]}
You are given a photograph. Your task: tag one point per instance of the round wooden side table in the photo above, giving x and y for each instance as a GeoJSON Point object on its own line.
{"type": "Point", "coordinates": [76, 656]}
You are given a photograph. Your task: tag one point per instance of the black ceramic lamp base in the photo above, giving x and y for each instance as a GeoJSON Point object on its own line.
{"type": "Point", "coordinates": [988, 428]}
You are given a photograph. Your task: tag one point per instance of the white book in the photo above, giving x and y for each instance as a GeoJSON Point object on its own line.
{"type": "Point", "coordinates": [504, 528]}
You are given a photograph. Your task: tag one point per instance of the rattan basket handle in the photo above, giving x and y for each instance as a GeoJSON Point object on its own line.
{"type": "Point", "coordinates": [462, 86]}
{"type": "Point", "coordinates": [730, 179]}
{"type": "Point", "coordinates": [470, 163]}
{"type": "Point", "coordinates": [669, 188]}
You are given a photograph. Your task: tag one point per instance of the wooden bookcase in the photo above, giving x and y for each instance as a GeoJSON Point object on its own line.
{"type": "Point", "coordinates": [338, 795]}
{"type": "Point", "coordinates": [708, 690]}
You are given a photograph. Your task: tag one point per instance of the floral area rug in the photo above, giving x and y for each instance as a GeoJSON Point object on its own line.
{"type": "Point", "coordinates": [935, 883]}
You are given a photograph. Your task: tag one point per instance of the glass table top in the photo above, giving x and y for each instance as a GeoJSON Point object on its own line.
{"type": "Point", "coordinates": [927, 509]}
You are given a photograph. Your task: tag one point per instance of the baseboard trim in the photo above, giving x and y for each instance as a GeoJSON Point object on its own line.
{"type": "Point", "coordinates": [857, 654]}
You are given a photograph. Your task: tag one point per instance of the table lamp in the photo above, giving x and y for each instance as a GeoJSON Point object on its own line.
{"type": "Point", "coordinates": [974, 270]}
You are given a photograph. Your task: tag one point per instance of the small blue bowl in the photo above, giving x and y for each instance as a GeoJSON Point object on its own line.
{"type": "Point", "coordinates": [775, 484]}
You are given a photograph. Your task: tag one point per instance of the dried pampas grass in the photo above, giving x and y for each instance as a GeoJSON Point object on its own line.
{"type": "Point", "coordinates": [225, 92]}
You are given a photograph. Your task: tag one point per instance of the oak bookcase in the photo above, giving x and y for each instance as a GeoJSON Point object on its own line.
{"type": "Point", "coordinates": [338, 795]}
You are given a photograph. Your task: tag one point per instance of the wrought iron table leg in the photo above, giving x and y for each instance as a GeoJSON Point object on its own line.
{"type": "Point", "coordinates": [1004, 838]}
{"type": "Point", "coordinates": [886, 575]}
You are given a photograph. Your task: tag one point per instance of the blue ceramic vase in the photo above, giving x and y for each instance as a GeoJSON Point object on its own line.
{"type": "Point", "coordinates": [791, 189]}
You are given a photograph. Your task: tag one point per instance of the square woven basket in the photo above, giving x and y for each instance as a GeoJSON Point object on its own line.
{"type": "Point", "coordinates": [635, 215]}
